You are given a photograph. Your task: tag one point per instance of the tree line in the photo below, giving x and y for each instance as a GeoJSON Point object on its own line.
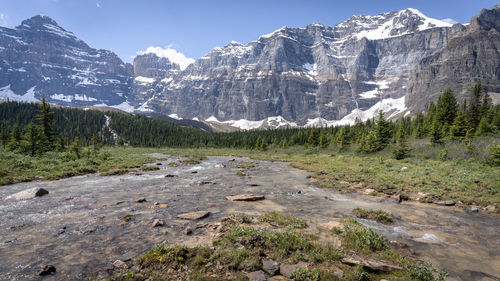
{"type": "Point", "coordinates": [36, 128]}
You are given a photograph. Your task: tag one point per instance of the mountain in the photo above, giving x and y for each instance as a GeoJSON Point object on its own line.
{"type": "Point", "coordinates": [40, 58]}
{"type": "Point", "coordinates": [471, 55]}
{"type": "Point", "coordinates": [316, 75]}
{"type": "Point", "coordinates": [306, 75]}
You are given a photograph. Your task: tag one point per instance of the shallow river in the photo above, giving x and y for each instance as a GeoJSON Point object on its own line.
{"type": "Point", "coordinates": [79, 229]}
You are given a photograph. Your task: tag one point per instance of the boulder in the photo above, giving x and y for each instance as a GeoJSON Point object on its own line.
{"type": "Point", "coordinates": [188, 230]}
{"type": "Point", "coordinates": [369, 191]}
{"type": "Point", "coordinates": [28, 194]}
{"type": "Point", "coordinates": [193, 215]}
{"type": "Point", "coordinates": [158, 222]}
{"type": "Point", "coordinates": [270, 267]}
{"type": "Point", "coordinates": [445, 203]}
{"type": "Point", "coordinates": [257, 276]}
{"type": "Point", "coordinates": [287, 269]}
{"type": "Point", "coordinates": [371, 264]}
{"type": "Point", "coordinates": [329, 226]}
{"type": "Point", "coordinates": [47, 269]}
{"type": "Point", "coordinates": [245, 197]}
{"type": "Point", "coordinates": [120, 264]}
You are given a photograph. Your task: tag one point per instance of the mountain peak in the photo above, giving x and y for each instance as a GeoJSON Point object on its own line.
{"type": "Point", "coordinates": [39, 20]}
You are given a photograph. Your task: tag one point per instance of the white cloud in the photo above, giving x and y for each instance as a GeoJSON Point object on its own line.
{"type": "Point", "coordinates": [98, 5]}
{"type": "Point", "coordinates": [169, 53]}
{"type": "Point", "coordinates": [450, 21]}
{"type": "Point", "coordinates": [3, 19]}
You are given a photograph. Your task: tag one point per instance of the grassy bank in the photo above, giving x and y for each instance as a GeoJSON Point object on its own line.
{"type": "Point", "coordinates": [459, 176]}
{"type": "Point", "coordinates": [16, 167]}
{"type": "Point", "coordinates": [243, 244]}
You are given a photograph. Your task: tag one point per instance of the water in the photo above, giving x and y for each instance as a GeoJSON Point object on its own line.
{"type": "Point", "coordinates": [78, 227]}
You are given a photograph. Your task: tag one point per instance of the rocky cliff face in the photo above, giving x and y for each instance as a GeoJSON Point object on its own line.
{"type": "Point", "coordinates": [39, 58]}
{"type": "Point", "coordinates": [307, 75]}
{"type": "Point", "coordinates": [317, 75]}
{"type": "Point", "coordinates": [471, 55]}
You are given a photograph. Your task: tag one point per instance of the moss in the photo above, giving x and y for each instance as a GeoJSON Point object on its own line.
{"type": "Point", "coordinates": [377, 215]}
{"type": "Point", "coordinates": [275, 218]}
{"type": "Point", "coordinates": [245, 165]}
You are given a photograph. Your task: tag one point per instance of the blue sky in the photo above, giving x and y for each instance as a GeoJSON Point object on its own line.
{"type": "Point", "coordinates": [196, 27]}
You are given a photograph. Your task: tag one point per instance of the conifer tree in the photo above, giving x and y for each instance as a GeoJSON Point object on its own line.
{"type": "Point", "coordinates": [323, 142]}
{"type": "Point", "coordinates": [484, 128]}
{"type": "Point", "coordinates": [45, 117]}
{"type": "Point", "coordinates": [31, 140]}
{"type": "Point", "coordinates": [15, 139]}
{"type": "Point", "coordinates": [446, 108]}
{"type": "Point", "coordinates": [474, 112]}
{"type": "Point", "coordinates": [313, 139]}
{"type": "Point", "coordinates": [436, 132]}
{"type": "Point", "coordinates": [95, 141]}
{"type": "Point", "coordinates": [4, 135]}
{"type": "Point", "coordinates": [401, 149]}
{"type": "Point", "coordinates": [459, 128]}
{"type": "Point", "coordinates": [75, 147]}
{"type": "Point", "coordinates": [383, 130]}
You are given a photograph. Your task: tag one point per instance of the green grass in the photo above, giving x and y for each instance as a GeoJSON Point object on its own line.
{"type": "Point", "coordinates": [150, 168]}
{"type": "Point", "coordinates": [15, 167]}
{"type": "Point", "coordinates": [469, 180]}
{"type": "Point", "coordinates": [245, 165]}
{"type": "Point", "coordinates": [377, 215]}
{"type": "Point", "coordinates": [282, 220]}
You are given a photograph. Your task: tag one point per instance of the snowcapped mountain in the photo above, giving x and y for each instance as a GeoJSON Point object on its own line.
{"type": "Point", "coordinates": [316, 75]}
{"type": "Point", "coordinates": [40, 58]}
{"type": "Point", "coordinates": [309, 76]}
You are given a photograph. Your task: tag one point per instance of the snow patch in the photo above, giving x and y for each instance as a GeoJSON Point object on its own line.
{"type": "Point", "coordinates": [144, 80]}
{"type": "Point", "coordinates": [174, 116]}
{"type": "Point", "coordinates": [6, 93]}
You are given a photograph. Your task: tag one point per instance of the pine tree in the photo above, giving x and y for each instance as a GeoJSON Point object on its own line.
{"type": "Point", "coordinates": [474, 113]}
{"type": "Point", "coordinates": [15, 139]}
{"type": "Point", "coordinates": [313, 139]}
{"type": "Point", "coordinates": [383, 130]}
{"type": "Point", "coordinates": [446, 108]}
{"type": "Point", "coordinates": [401, 149]}
{"type": "Point", "coordinates": [371, 143]}
{"type": "Point", "coordinates": [31, 140]}
{"type": "Point", "coordinates": [436, 132]}
{"type": "Point", "coordinates": [95, 141]}
{"type": "Point", "coordinates": [484, 128]}
{"type": "Point", "coordinates": [75, 147]}
{"type": "Point", "coordinates": [459, 128]}
{"type": "Point", "coordinates": [4, 135]}
{"type": "Point", "coordinates": [341, 138]}
{"type": "Point", "coordinates": [258, 143]}
{"type": "Point", "coordinates": [323, 141]}
{"type": "Point", "coordinates": [45, 117]}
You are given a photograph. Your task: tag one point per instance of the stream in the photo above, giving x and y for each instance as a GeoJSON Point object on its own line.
{"type": "Point", "coordinates": [79, 228]}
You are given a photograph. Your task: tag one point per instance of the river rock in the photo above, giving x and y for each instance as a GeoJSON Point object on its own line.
{"type": "Point", "coordinates": [491, 208]}
{"type": "Point", "coordinates": [245, 197]}
{"type": "Point", "coordinates": [120, 264]}
{"type": "Point", "coordinates": [270, 266]}
{"type": "Point", "coordinates": [287, 269]}
{"type": "Point", "coordinates": [404, 169]}
{"type": "Point", "coordinates": [140, 200]}
{"type": "Point", "coordinates": [28, 194]}
{"type": "Point", "coordinates": [368, 191]}
{"type": "Point", "coordinates": [371, 264]}
{"type": "Point", "coordinates": [193, 215]}
{"type": "Point", "coordinates": [257, 276]}
{"type": "Point", "coordinates": [219, 166]}
{"type": "Point", "coordinates": [188, 230]}
{"type": "Point", "coordinates": [47, 269]}
{"type": "Point", "coordinates": [399, 244]}
{"type": "Point", "coordinates": [445, 203]}
{"type": "Point", "coordinates": [474, 209]}
{"type": "Point", "coordinates": [158, 222]}
{"type": "Point", "coordinates": [329, 226]}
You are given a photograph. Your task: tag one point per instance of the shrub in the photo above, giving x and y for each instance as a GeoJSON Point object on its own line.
{"type": "Point", "coordinates": [425, 272]}
{"type": "Point", "coordinates": [377, 215]}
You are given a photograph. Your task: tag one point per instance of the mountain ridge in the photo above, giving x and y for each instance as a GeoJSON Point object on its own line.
{"type": "Point", "coordinates": [308, 76]}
